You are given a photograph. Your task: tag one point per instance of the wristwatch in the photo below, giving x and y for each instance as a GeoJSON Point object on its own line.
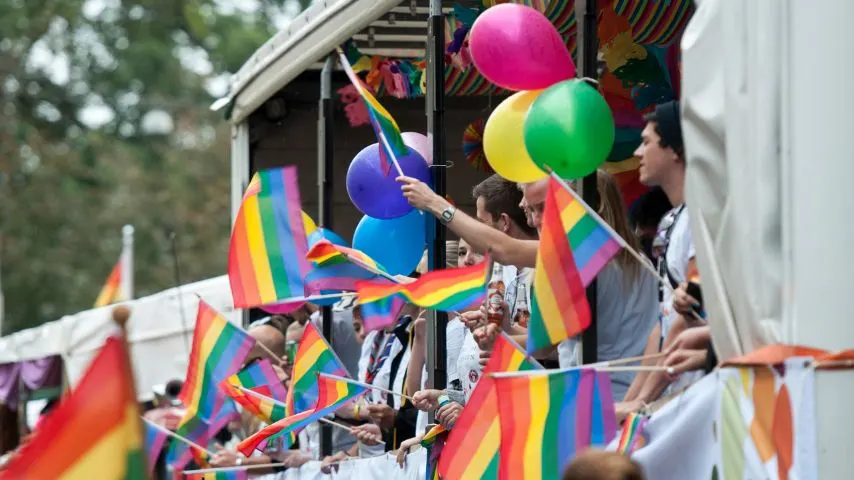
{"type": "Point", "coordinates": [447, 215]}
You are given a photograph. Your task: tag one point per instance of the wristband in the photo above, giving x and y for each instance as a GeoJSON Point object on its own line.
{"type": "Point", "coordinates": [356, 416]}
{"type": "Point", "coordinates": [444, 400]}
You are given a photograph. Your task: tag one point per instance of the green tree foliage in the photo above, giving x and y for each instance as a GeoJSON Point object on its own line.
{"type": "Point", "coordinates": [157, 158]}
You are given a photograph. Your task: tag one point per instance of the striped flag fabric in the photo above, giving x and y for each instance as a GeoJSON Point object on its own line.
{"type": "Point", "coordinates": [96, 430]}
{"type": "Point", "coordinates": [450, 289]}
{"type": "Point", "coordinates": [338, 268]}
{"type": "Point", "coordinates": [385, 127]}
{"type": "Point", "coordinates": [574, 247]}
{"type": "Point", "coordinates": [333, 393]}
{"type": "Point", "coordinates": [630, 437]}
{"type": "Point", "coordinates": [472, 447]}
{"type": "Point", "coordinates": [219, 475]}
{"type": "Point", "coordinates": [266, 254]}
{"type": "Point", "coordinates": [260, 378]}
{"type": "Point", "coordinates": [111, 291]}
{"type": "Point", "coordinates": [381, 313]}
{"type": "Point", "coordinates": [547, 418]}
{"type": "Point", "coordinates": [155, 440]}
{"type": "Point", "coordinates": [314, 356]}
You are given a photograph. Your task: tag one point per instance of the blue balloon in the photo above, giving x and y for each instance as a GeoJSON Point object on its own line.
{"type": "Point", "coordinates": [325, 233]}
{"type": "Point", "coordinates": [397, 243]}
{"type": "Point", "coordinates": [376, 194]}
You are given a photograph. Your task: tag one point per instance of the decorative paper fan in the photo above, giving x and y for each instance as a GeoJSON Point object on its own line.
{"type": "Point", "coordinates": [473, 146]}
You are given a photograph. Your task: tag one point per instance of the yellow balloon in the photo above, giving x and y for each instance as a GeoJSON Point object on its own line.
{"type": "Point", "coordinates": [504, 142]}
{"type": "Point", "coordinates": [308, 224]}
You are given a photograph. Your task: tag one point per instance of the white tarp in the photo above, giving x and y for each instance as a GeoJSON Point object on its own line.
{"type": "Point", "coordinates": [383, 467]}
{"type": "Point", "coordinates": [158, 336]}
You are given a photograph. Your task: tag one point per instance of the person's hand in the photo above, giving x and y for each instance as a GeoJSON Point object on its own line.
{"type": "Point", "coordinates": [281, 373]}
{"type": "Point", "coordinates": [225, 458]}
{"type": "Point", "coordinates": [331, 462]}
{"type": "Point", "coordinates": [623, 409]}
{"type": "Point", "coordinates": [484, 358]}
{"type": "Point", "coordinates": [486, 336]}
{"type": "Point", "coordinates": [404, 449]}
{"type": "Point", "coordinates": [382, 415]}
{"type": "Point", "coordinates": [447, 415]}
{"type": "Point", "coordinates": [369, 434]}
{"type": "Point", "coordinates": [694, 338]}
{"type": "Point", "coordinates": [420, 196]}
{"type": "Point", "coordinates": [426, 400]}
{"type": "Point", "coordinates": [684, 303]}
{"type": "Point", "coordinates": [684, 360]}
{"type": "Point", "coordinates": [473, 319]}
{"type": "Point", "coordinates": [420, 327]}
{"type": "Point", "coordinates": [296, 459]}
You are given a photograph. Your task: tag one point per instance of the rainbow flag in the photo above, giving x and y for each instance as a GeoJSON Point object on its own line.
{"type": "Point", "coordinates": [95, 432]}
{"type": "Point", "coordinates": [314, 356]}
{"type": "Point", "coordinates": [333, 393]}
{"type": "Point", "coordinates": [450, 289]}
{"type": "Point", "coordinates": [632, 433]}
{"type": "Point", "coordinates": [473, 444]}
{"type": "Point", "coordinates": [430, 437]}
{"type": "Point", "coordinates": [219, 349]}
{"type": "Point", "coordinates": [111, 291]}
{"type": "Point", "coordinates": [155, 440]}
{"type": "Point", "coordinates": [222, 475]}
{"type": "Point", "coordinates": [385, 128]}
{"type": "Point", "coordinates": [591, 243]}
{"type": "Point", "coordinates": [266, 255]}
{"type": "Point", "coordinates": [559, 308]}
{"type": "Point", "coordinates": [547, 418]}
{"type": "Point", "coordinates": [339, 268]}
{"type": "Point", "coordinates": [381, 313]}
{"type": "Point", "coordinates": [262, 379]}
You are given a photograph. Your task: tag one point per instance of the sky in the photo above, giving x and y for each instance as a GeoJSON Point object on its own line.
{"type": "Point", "coordinates": [97, 113]}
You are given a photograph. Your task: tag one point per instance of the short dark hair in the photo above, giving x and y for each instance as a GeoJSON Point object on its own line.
{"type": "Point", "coordinates": [665, 120]}
{"type": "Point", "coordinates": [502, 196]}
{"type": "Point", "coordinates": [649, 208]}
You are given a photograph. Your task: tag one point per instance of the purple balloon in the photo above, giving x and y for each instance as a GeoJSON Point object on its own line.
{"type": "Point", "coordinates": [376, 194]}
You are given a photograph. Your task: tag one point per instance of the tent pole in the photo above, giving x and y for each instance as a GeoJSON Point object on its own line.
{"type": "Point", "coordinates": [588, 66]}
{"type": "Point", "coordinates": [437, 321]}
{"type": "Point", "coordinates": [325, 129]}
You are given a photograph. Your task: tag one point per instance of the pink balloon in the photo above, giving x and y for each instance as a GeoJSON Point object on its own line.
{"type": "Point", "coordinates": [516, 47]}
{"type": "Point", "coordinates": [420, 143]}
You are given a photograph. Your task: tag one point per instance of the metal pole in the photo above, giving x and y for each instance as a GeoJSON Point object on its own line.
{"type": "Point", "coordinates": [437, 321]}
{"type": "Point", "coordinates": [324, 180]}
{"type": "Point", "coordinates": [588, 66]}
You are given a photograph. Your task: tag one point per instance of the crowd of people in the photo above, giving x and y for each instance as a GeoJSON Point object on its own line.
{"type": "Point", "coordinates": [636, 316]}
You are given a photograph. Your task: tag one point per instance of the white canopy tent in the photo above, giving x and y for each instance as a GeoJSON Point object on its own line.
{"type": "Point", "coordinates": [767, 122]}
{"type": "Point", "coordinates": [160, 332]}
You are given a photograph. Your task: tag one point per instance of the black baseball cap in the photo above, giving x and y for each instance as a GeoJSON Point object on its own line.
{"type": "Point", "coordinates": [668, 118]}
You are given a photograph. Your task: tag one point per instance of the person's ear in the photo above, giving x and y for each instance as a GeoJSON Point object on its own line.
{"type": "Point", "coordinates": [504, 223]}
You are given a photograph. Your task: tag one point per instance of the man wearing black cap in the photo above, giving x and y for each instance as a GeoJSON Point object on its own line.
{"type": "Point", "coordinates": [662, 164]}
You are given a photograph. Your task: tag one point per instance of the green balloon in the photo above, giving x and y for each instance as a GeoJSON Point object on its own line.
{"type": "Point", "coordinates": [569, 129]}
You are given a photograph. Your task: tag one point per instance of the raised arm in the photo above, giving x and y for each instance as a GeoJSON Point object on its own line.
{"type": "Point", "coordinates": [505, 249]}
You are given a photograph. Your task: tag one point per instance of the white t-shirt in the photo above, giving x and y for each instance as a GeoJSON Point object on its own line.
{"type": "Point", "coordinates": [626, 311]}
{"type": "Point", "coordinates": [679, 251]}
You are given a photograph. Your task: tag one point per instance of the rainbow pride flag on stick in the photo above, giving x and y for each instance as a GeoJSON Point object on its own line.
{"type": "Point", "coordinates": [333, 393]}
{"type": "Point", "coordinates": [574, 247]}
{"type": "Point", "coordinates": [471, 450]}
{"type": "Point", "coordinates": [262, 379]}
{"type": "Point", "coordinates": [111, 291]}
{"type": "Point", "coordinates": [449, 290]}
{"type": "Point", "coordinates": [339, 268]}
{"type": "Point", "coordinates": [382, 312]}
{"type": "Point", "coordinates": [266, 256]}
{"type": "Point", "coordinates": [95, 432]}
{"type": "Point", "coordinates": [632, 433]}
{"type": "Point", "coordinates": [219, 475]}
{"type": "Point", "coordinates": [547, 418]}
{"type": "Point", "coordinates": [314, 356]}
{"type": "Point", "coordinates": [386, 129]}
